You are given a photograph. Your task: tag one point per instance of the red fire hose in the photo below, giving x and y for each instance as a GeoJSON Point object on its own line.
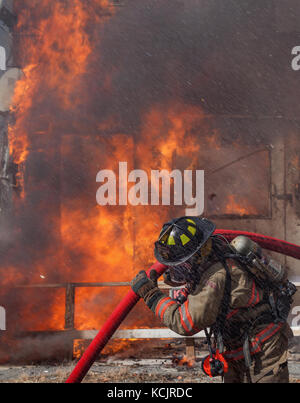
{"type": "Point", "coordinates": [266, 242]}
{"type": "Point", "coordinates": [107, 330]}
{"type": "Point", "coordinates": [129, 301]}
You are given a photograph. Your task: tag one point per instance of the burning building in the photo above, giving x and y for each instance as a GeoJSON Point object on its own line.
{"type": "Point", "coordinates": [198, 85]}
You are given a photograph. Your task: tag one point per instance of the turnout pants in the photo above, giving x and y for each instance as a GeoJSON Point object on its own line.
{"type": "Point", "coordinates": [268, 366]}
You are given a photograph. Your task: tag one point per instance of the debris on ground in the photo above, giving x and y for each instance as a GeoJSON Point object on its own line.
{"type": "Point", "coordinates": [156, 362]}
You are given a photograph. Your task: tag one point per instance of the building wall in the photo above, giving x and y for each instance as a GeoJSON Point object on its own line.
{"type": "Point", "coordinates": [9, 74]}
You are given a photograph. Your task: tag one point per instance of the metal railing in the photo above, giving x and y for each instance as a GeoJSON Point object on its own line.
{"type": "Point", "coordinates": [139, 333]}
{"type": "Point", "coordinates": [70, 304]}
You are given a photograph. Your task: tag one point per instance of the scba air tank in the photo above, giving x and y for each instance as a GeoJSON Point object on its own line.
{"type": "Point", "coordinates": [267, 267]}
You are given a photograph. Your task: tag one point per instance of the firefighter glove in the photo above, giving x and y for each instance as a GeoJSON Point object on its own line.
{"type": "Point", "coordinates": [141, 284]}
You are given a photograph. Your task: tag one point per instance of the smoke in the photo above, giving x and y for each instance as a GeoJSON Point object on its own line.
{"type": "Point", "coordinates": [222, 57]}
{"type": "Point", "coordinates": [219, 58]}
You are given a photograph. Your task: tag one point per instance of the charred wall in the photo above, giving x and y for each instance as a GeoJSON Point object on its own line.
{"type": "Point", "coordinates": [9, 73]}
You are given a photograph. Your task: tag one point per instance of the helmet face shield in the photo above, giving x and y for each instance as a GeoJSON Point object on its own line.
{"type": "Point", "coordinates": [181, 238]}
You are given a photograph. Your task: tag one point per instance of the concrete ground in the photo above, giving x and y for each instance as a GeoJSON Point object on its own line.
{"type": "Point", "coordinates": [155, 362]}
{"type": "Point", "coordinates": [140, 361]}
{"type": "Point", "coordinates": [127, 371]}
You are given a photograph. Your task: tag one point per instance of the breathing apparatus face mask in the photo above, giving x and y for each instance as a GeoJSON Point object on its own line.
{"type": "Point", "coordinates": [181, 273]}
{"type": "Point", "coordinates": [191, 269]}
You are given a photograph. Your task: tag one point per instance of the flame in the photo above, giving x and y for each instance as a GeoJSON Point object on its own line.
{"type": "Point", "coordinates": [56, 57]}
{"type": "Point", "coordinates": [184, 361]}
{"type": "Point", "coordinates": [86, 242]}
{"type": "Point", "coordinates": [239, 207]}
{"type": "Point", "coordinates": [166, 132]}
{"type": "Point", "coordinates": [114, 347]}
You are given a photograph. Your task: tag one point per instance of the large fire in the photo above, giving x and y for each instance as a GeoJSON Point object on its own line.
{"type": "Point", "coordinates": [64, 237]}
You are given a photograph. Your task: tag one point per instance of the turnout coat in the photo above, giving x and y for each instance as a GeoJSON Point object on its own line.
{"type": "Point", "coordinates": [248, 309]}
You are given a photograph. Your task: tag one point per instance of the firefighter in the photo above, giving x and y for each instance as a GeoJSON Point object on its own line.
{"type": "Point", "coordinates": [247, 342]}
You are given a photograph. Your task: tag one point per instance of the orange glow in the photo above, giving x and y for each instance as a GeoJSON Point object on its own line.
{"type": "Point", "coordinates": [88, 243]}
{"type": "Point", "coordinates": [184, 361]}
{"type": "Point", "coordinates": [238, 207]}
